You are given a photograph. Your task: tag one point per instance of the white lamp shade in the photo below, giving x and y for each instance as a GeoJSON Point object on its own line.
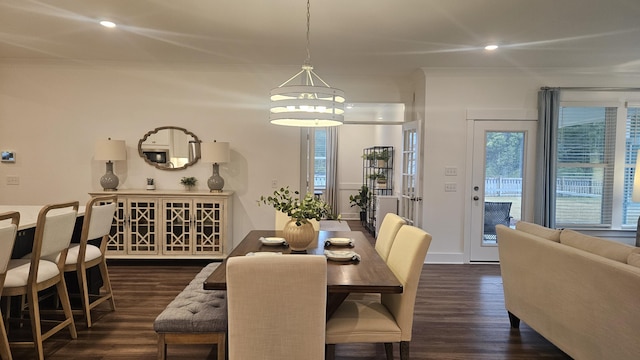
{"type": "Point", "coordinates": [215, 152]}
{"type": "Point", "coordinates": [110, 150]}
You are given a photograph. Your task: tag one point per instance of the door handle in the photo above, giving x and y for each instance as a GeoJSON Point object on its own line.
{"type": "Point", "coordinates": [476, 198]}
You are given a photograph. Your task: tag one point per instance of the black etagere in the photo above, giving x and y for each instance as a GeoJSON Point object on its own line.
{"type": "Point", "coordinates": [378, 176]}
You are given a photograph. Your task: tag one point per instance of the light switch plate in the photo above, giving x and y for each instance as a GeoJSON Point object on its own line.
{"type": "Point", "coordinates": [450, 187]}
{"type": "Point", "coordinates": [450, 171]}
{"type": "Point", "coordinates": [13, 180]}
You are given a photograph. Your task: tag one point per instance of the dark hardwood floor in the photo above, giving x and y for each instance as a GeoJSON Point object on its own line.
{"type": "Point", "coordinates": [459, 314]}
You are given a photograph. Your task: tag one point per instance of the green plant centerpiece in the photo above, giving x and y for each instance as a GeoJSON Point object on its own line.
{"type": "Point", "coordinates": [299, 231]}
{"type": "Point", "coordinates": [361, 200]}
{"type": "Point", "coordinates": [189, 182]}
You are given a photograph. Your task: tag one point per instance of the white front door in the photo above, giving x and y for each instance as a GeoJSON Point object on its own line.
{"type": "Point", "coordinates": [411, 196]}
{"type": "Point", "coordinates": [502, 181]}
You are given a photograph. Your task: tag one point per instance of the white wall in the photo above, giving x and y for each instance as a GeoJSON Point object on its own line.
{"type": "Point", "coordinates": [52, 114]}
{"type": "Point", "coordinates": [449, 94]}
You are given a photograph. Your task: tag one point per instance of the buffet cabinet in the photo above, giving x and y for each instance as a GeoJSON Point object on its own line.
{"type": "Point", "coordinates": [170, 224]}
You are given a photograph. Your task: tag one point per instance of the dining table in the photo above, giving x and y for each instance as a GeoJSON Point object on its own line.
{"type": "Point", "coordinates": [365, 273]}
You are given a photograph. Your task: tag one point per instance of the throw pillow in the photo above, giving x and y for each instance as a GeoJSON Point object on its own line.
{"type": "Point", "coordinates": [539, 230]}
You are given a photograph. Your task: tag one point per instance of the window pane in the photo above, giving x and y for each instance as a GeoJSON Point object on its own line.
{"type": "Point", "coordinates": [320, 159]}
{"type": "Point", "coordinates": [630, 209]}
{"type": "Point", "coordinates": [584, 182]}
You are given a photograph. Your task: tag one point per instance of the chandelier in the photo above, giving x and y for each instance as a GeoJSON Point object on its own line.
{"type": "Point", "coordinates": [305, 99]}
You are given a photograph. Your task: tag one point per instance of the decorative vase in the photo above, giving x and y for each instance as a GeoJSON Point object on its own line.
{"type": "Point", "coordinates": [299, 237]}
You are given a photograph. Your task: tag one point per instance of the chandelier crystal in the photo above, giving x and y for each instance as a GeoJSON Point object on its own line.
{"type": "Point", "coordinates": [305, 100]}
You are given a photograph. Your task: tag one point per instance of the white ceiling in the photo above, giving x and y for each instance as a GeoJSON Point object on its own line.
{"type": "Point", "coordinates": [396, 36]}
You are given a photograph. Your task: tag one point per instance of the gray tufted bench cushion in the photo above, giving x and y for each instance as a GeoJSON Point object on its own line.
{"type": "Point", "coordinates": [195, 316]}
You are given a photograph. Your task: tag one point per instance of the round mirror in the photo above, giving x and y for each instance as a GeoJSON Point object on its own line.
{"type": "Point", "coordinates": [169, 148]}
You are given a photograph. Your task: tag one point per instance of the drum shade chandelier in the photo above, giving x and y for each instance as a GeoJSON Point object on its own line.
{"type": "Point", "coordinates": [305, 100]}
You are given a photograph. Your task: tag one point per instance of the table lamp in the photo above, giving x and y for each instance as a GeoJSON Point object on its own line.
{"type": "Point", "coordinates": [110, 150]}
{"type": "Point", "coordinates": [216, 153]}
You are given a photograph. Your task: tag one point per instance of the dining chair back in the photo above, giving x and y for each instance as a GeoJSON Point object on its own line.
{"type": "Point", "coordinates": [406, 260]}
{"type": "Point", "coordinates": [98, 217]}
{"type": "Point", "coordinates": [9, 223]}
{"type": "Point", "coordinates": [391, 319]}
{"type": "Point", "coordinates": [276, 307]}
{"type": "Point", "coordinates": [43, 268]}
{"type": "Point", "coordinates": [391, 223]}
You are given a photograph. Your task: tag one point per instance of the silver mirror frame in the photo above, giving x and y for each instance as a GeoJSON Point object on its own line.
{"type": "Point", "coordinates": [159, 166]}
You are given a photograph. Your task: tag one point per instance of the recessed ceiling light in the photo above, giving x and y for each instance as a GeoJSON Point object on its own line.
{"type": "Point", "coordinates": [107, 23]}
{"type": "Point", "coordinates": [491, 47]}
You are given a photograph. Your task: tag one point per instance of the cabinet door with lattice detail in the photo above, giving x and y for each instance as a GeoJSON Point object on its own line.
{"type": "Point", "coordinates": [116, 243]}
{"type": "Point", "coordinates": [143, 226]}
{"type": "Point", "coordinates": [209, 227]}
{"type": "Point", "coordinates": [176, 226]}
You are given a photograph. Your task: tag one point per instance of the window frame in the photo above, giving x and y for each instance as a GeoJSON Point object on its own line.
{"type": "Point", "coordinates": [616, 192]}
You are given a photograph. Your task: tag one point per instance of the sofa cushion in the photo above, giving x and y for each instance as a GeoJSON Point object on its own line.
{"type": "Point", "coordinates": [634, 259]}
{"type": "Point", "coordinates": [539, 230]}
{"type": "Point", "coordinates": [610, 249]}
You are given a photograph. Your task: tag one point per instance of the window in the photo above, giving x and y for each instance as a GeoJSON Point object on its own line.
{"type": "Point", "coordinates": [595, 166]}
{"type": "Point", "coordinates": [320, 159]}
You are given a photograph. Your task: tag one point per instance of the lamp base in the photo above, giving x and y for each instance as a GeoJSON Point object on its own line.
{"type": "Point", "coordinates": [109, 181]}
{"type": "Point", "coordinates": [215, 182]}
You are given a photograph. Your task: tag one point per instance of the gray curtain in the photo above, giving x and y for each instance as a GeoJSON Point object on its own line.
{"type": "Point", "coordinates": [546, 150]}
{"type": "Point", "coordinates": [332, 191]}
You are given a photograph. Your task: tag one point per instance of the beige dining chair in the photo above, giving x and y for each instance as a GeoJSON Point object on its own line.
{"type": "Point", "coordinates": [389, 320]}
{"type": "Point", "coordinates": [276, 307]}
{"type": "Point", "coordinates": [9, 223]}
{"type": "Point", "coordinates": [391, 223]}
{"type": "Point", "coordinates": [43, 269]}
{"type": "Point", "coordinates": [98, 218]}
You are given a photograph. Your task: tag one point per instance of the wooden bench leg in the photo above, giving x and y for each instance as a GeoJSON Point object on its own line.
{"type": "Point", "coordinates": [221, 346]}
{"type": "Point", "coordinates": [215, 338]}
{"type": "Point", "coordinates": [162, 347]}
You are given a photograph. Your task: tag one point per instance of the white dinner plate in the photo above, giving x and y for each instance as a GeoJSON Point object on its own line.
{"type": "Point", "coordinates": [340, 241]}
{"type": "Point", "coordinates": [339, 255]}
{"type": "Point", "coordinates": [272, 241]}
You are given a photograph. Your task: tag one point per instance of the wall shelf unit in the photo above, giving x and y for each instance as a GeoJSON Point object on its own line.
{"type": "Point", "coordinates": [378, 176]}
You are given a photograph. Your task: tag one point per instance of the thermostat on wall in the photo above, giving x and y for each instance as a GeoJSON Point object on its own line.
{"type": "Point", "coordinates": [8, 156]}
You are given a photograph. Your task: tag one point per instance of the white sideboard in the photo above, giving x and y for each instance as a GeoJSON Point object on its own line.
{"type": "Point", "coordinates": [170, 224]}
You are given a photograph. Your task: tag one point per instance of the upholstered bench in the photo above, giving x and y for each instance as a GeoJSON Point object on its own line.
{"type": "Point", "coordinates": [195, 316]}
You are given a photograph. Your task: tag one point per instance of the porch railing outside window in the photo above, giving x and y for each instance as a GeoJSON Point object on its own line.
{"type": "Point", "coordinates": [594, 183]}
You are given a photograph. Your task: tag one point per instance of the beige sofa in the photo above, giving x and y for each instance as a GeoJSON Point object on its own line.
{"type": "Point", "coordinates": [580, 292]}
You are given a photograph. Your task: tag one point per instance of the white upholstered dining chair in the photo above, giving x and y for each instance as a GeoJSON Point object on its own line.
{"type": "Point", "coordinates": [389, 320]}
{"type": "Point", "coordinates": [9, 223]}
{"type": "Point", "coordinates": [276, 307]}
{"type": "Point", "coordinates": [391, 224]}
{"type": "Point", "coordinates": [43, 269]}
{"type": "Point", "coordinates": [98, 218]}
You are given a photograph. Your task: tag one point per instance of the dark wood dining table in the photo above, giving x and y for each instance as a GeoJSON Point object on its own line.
{"type": "Point", "coordinates": [369, 275]}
